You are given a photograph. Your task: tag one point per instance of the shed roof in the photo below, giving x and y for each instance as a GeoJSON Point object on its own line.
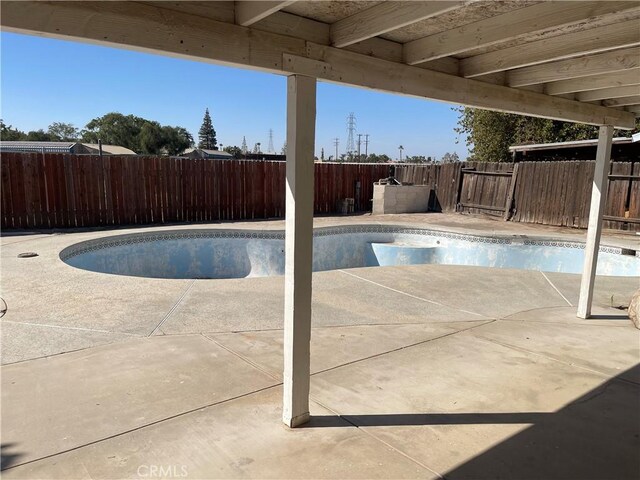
{"type": "Point", "coordinates": [23, 146]}
{"type": "Point", "coordinates": [573, 144]}
{"type": "Point", "coordinates": [111, 149]}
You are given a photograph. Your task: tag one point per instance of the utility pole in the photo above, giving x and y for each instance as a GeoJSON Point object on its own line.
{"type": "Point", "coordinates": [366, 145]}
{"type": "Point", "coordinates": [359, 143]}
{"type": "Point", "coordinates": [400, 148]}
{"type": "Point", "coordinates": [336, 141]}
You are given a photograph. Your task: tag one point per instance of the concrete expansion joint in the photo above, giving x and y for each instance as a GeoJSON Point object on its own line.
{"type": "Point", "coordinates": [556, 289]}
{"type": "Point", "coordinates": [433, 302]}
{"type": "Point", "coordinates": [173, 308]}
{"type": "Point", "coordinates": [141, 427]}
{"type": "Point", "coordinates": [376, 438]}
{"type": "Point", "coordinates": [244, 359]}
{"type": "Point", "coordinates": [455, 332]}
{"type": "Point", "coordinates": [554, 359]}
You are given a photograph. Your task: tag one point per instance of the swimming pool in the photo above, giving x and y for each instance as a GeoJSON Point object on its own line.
{"type": "Point", "coordinates": [217, 253]}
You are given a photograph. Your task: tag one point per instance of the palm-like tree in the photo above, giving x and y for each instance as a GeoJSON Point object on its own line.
{"type": "Point", "coordinates": [401, 148]}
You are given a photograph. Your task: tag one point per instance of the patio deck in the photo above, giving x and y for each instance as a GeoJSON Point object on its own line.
{"type": "Point", "coordinates": [417, 372]}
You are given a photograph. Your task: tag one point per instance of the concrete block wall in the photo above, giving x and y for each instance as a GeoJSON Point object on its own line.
{"type": "Point", "coordinates": [400, 198]}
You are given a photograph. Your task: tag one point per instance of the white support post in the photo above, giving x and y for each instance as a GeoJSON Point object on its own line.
{"type": "Point", "coordinates": [301, 126]}
{"type": "Point", "coordinates": [596, 211]}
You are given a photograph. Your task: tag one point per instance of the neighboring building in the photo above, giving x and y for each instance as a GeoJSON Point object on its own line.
{"type": "Point", "coordinates": [64, 147]}
{"type": "Point", "coordinates": [623, 149]}
{"type": "Point", "coordinates": [94, 149]}
{"type": "Point", "coordinates": [208, 154]}
{"type": "Point", "coordinates": [222, 155]}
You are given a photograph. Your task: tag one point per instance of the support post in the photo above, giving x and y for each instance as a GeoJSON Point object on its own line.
{"type": "Point", "coordinates": [301, 119]}
{"type": "Point", "coordinates": [596, 212]}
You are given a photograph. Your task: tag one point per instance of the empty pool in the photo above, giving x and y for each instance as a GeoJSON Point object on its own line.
{"type": "Point", "coordinates": [217, 253]}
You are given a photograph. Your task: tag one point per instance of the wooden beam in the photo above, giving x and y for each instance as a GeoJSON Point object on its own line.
{"type": "Point", "coordinates": [249, 12]}
{"type": "Point", "coordinates": [301, 125]}
{"type": "Point", "coordinates": [594, 82]}
{"type": "Point", "coordinates": [633, 108]}
{"type": "Point", "coordinates": [608, 62]}
{"type": "Point", "coordinates": [352, 69]}
{"type": "Point", "coordinates": [385, 17]}
{"type": "Point", "coordinates": [596, 211]}
{"type": "Point", "coordinates": [622, 102]}
{"type": "Point", "coordinates": [156, 30]}
{"type": "Point", "coordinates": [544, 18]}
{"type": "Point", "coordinates": [586, 42]}
{"type": "Point", "coordinates": [607, 93]}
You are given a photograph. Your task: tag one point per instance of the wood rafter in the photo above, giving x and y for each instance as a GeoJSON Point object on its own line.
{"type": "Point", "coordinates": [615, 61]}
{"type": "Point", "coordinates": [586, 42]}
{"type": "Point", "coordinates": [594, 82]}
{"type": "Point", "coordinates": [608, 93]}
{"type": "Point", "coordinates": [537, 19]}
{"type": "Point", "coordinates": [249, 12]}
{"type": "Point", "coordinates": [622, 102]}
{"type": "Point", "coordinates": [385, 17]}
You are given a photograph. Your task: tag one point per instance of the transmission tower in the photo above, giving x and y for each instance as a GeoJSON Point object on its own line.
{"type": "Point", "coordinates": [351, 128]}
{"type": "Point", "coordinates": [270, 148]}
{"type": "Point", "coordinates": [244, 146]}
{"type": "Point", "coordinates": [336, 142]}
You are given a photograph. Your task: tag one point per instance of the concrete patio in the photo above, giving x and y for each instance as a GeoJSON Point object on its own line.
{"type": "Point", "coordinates": [422, 371]}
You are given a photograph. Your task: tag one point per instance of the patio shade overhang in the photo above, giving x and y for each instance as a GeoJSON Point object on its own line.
{"type": "Point", "coordinates": [505, 56]}
{"type": "Point", "coordinates": [575, 61]}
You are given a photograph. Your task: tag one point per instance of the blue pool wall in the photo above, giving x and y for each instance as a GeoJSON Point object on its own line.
{"type": "Point", "coordinates": [242, 253]}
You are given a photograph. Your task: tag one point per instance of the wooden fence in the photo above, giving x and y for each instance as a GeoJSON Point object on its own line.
{"type": "Point", "coordinates": [58, 191]}
{"type": "Point", "coordinates": [548, 193]}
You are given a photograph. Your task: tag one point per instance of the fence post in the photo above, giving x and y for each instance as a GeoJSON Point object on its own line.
{"type": "Point", "coordinates": [512, 191]}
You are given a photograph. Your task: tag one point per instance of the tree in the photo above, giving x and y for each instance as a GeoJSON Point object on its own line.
{"type": "Point", "coordinates": [39, 136]}
{"type": "Point", "coordinates": [151, 138]}
{"type": "Point", "coordinates": [138, 134]}
{"type": "Point", "coordinates": [450, 158]}
{"type": "Point", "coordinates": [206, 134]}
{"type": "Point", "coordinates": [115, 129]}
{"type": "Point", "coordinates": [8, 133]}
{"type": "Point", "coordinates": [489, 134]}
{"type": "Point", "coordinates": [63, 132]}
{"type": "Point", "coordinates": [176, 139]}
{"type": "Point", "coordinates": [284, 149]}
{"type": "Point", "coordinates": [234, 150]}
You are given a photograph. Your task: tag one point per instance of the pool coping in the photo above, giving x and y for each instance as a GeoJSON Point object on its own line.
{"type": "Point", "coordinates": [111, 241]}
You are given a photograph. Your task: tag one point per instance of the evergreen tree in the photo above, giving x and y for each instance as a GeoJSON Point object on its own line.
{"type": "Point", "coordinates": [206, 134]}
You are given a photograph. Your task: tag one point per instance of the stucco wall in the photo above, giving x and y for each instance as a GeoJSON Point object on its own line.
{"type": "Point", "coordinates": [400, 198]}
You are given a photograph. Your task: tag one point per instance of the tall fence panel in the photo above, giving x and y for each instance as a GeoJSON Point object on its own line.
{"type": "Point", "coordinates": [66, 191]}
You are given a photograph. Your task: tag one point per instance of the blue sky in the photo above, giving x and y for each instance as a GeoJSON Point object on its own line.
{"type": "Point", "coordinates": [45, 80]}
